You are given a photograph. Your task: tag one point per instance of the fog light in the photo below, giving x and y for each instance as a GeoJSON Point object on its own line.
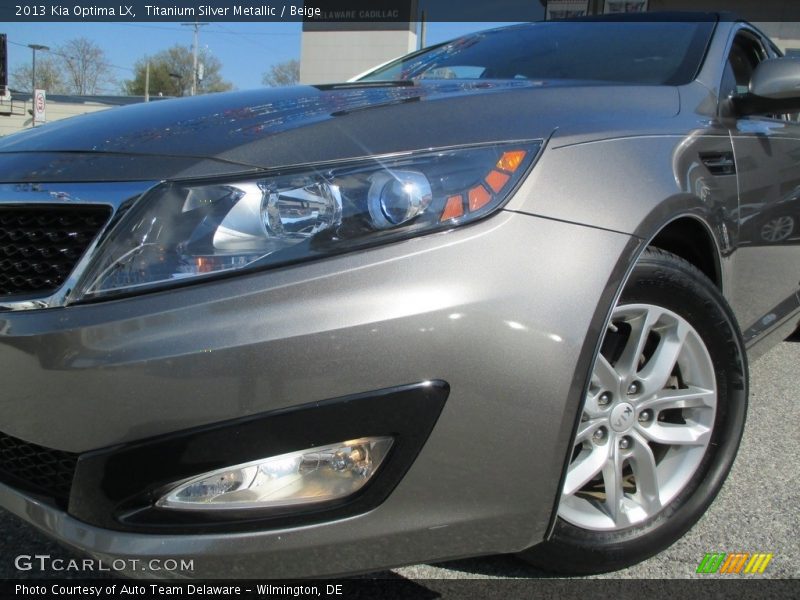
{"type": "Point", "coordinates": [303, 477]}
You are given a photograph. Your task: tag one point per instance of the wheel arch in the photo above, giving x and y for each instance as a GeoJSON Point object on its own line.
{"type": "Point", "coordinates": [687, 289]}
{"type": "Point", "coordinates": [690, 237]}
{"type": "Point", "coordinates": [686, 233]}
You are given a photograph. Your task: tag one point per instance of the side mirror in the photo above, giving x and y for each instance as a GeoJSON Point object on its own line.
{"type": "Point", "coordinates": [777, 79]}
{"type": "Point", "coordinates": [774, 89]}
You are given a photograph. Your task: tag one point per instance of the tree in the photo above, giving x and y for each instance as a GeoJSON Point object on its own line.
{"type": "Point", "coordinates": [78, 67]}
{"type": "Point", "coordinates": [281, 74]}
{"type": "Point", "coordinates": [48, 76]}
{"type": "Point", "coordinates": [85, 66]}
{"type": "Point", "coordinates": [171, 74]}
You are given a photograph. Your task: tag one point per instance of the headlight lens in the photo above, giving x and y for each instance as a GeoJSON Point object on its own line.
{"type": "Point", "coordinates": [183, 230]}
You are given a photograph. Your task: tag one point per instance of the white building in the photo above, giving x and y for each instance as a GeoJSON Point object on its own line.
{"type": "Point", "coordinates": [335, 56]}
{"type": "Point", "coordinates": [349, 42]}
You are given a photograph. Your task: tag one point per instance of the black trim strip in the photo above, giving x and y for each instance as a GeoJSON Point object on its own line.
{"type": "Point", "coordinates": [116, 488]}
{"type": "Point", "coordinates": [582, 375]}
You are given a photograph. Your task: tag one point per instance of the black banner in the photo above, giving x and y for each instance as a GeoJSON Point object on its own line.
{"type": "Point", "coordinates": [315, 14]}
{"type": "Point", "coordinates": [388, 589]}
{"type": "Point", "coordinates": [341, 14]}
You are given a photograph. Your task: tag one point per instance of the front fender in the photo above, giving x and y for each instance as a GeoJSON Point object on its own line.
{"type": "Point", "coordinates": [635, 185]}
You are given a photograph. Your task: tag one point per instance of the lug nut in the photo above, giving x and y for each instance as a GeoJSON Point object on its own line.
{"type": "Point", "coordinates": [633, 388]}
{"type": "Point", "coordinates": [625, 443]}
{"type": "Point", "coordinates": [599, 434]}
{"type": "Point", "coordinates": [604, 399]}
{"type": "Point", "coordinates": [645, 416]}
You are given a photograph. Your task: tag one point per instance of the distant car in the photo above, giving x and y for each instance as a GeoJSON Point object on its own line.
{"type": "Point", "coordinates": [333, 329]}
{"type": "Point", "coordinates": [774, 223]}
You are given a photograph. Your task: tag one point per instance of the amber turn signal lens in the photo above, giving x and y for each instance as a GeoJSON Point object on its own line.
{"type": "Point", "coordinates": [479, 196]}
{"type": "Point", "coordinates": [497, 180]}
{"type": "Point", "coordinates": [453, 209]}
{"type": "Point", "coordinates": [510, 161]}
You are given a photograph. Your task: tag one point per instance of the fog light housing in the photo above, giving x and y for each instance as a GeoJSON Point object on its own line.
{"type": "Point", "coordinates": [298, 478]}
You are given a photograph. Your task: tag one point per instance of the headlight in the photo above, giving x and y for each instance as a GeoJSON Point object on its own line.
{"type": "Point", "coordinates": [188, 230]}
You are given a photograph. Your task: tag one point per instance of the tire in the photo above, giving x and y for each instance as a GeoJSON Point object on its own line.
{"type": "Point", "coordinates": [653, 458]}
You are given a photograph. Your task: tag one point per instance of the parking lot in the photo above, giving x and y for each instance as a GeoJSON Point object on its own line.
{"type": "Point", "coordinates": [757, 510]}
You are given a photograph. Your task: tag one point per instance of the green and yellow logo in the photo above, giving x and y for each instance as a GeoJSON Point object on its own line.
{"type": "Point", "coordinates": [737, 562]}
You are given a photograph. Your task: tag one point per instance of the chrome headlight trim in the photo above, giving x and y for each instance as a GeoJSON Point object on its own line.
{"type": "Point", "coordinates": [119, 196]}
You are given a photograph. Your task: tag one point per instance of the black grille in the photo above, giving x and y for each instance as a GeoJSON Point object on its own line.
{"type": "Point", "coordinates": [37, 469]}
{"type": "Point", "coordinates": [40, 245]}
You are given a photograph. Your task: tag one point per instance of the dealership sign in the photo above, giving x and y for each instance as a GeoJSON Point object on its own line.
{"type": "Point", "coordinates": [39, 106]}
{"type": "Point", "coordinates": [566, 9]}
{"type": "Point", "coordinates": [363, 15]}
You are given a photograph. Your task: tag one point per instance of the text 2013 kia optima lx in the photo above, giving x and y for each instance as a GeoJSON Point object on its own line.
{"type": "Point", "coordinates": [496, 296]}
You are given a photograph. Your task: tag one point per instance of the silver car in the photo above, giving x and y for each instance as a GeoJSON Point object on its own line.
{"type": "Point", "coordinates": [496, 296]}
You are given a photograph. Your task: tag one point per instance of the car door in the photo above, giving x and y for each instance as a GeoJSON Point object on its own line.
{"type": "Point", "coordinates": [767, 152]}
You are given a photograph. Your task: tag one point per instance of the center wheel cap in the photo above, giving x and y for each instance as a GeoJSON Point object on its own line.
{"type": "Point", "coordinates": [622, 417]}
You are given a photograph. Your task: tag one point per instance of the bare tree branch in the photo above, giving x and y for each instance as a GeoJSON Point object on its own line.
{"type": "Point", "coordinates": [281, 74]}
{"type": "Point", "coordinates": [85, 66]}
{"type": "Point", "coordinates": [48, 76]}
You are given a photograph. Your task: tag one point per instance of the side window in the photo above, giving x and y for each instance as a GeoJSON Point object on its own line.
{"type": "Point", "coordinates": [746, 53]}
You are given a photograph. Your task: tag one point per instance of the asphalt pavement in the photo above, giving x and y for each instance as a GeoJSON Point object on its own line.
{"type": "Point", "coordinates": [756, 511]}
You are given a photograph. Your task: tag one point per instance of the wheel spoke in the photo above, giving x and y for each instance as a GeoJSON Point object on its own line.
{"type": "Point", "coordinates": [628, 362]}
{"type": "Point", "coordinates": [604, 375]}
{"type": "Point", "coordinates": [643, 464]}
{"type": "Point", "coordinates": [584, 468]}
{"type": "Point", "coordinates": [690, 397]}
{"type": "Point", "coordinates": [676, 434]}
{"type": "Point", "coordinates": [586, 429]}
{"type": "Point", "coordinates": [657, 371]}
{"type": "Point", "coordinates": [612, 479]}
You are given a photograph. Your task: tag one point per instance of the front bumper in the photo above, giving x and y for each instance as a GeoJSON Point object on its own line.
{"type": "Point", "coordinates": [505, 311]}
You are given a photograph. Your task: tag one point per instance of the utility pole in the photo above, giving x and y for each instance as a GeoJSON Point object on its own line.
{"type": "Point", "coordinates": [35, 47]}
{"type": "Point", "coordinates": [197, 27]}
{"type": "Point", "coordinates": [147, 82]}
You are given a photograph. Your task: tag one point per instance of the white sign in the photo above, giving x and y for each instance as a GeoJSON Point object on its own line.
{"type": "Point", "coordinates": [566, 9]}
{"type": "Point", "coordinates": [39, 106]}
{"type": "Point", "coordinates": [625, 6]}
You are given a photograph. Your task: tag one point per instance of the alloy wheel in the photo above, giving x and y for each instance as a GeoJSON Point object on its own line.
{"type": "Point", "coordinates": [646, 421]}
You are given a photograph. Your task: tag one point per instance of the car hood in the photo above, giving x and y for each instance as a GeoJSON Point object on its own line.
{"type": "Point", "coordinates": [239, 132]}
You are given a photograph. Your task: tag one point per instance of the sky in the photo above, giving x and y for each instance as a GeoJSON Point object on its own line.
{"type": "Point", "coordinates": [246, 50]}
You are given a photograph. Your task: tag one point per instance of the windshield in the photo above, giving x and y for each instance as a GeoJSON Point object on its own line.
{"type": "Point", "coordinates": [641, 52]}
